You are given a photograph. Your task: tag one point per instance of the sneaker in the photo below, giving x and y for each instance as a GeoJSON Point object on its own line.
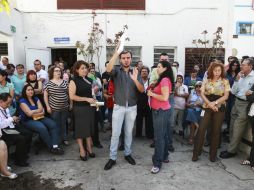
{"type": "Point", "coordinates": [57, 151]}
{"type": "Point", "coordinates": [155, 170]}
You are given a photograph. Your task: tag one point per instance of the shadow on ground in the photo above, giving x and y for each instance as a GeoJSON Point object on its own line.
{"type": "Point", "coordinates": [29, 181]}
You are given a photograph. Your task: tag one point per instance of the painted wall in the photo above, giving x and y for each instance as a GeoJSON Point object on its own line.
{"type": "Point", "coordinates": [163, 23]}
{"type": "Point", "coordinates": [243, 12]}
{"type": "Point", "coordinates": [14, 40]}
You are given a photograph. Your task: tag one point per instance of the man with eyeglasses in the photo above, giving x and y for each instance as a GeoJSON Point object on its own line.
{"type": "Point", "coordinates": [176, 65]}
{"type": "Point", "coordinates": [42, 75]}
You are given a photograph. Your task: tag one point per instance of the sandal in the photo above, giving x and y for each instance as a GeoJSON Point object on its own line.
{"type": "Point", "coordinates": [245, 162]}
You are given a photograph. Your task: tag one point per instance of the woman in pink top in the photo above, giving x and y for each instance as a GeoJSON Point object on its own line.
{"type": "Point", "coordinates": [159, 102]}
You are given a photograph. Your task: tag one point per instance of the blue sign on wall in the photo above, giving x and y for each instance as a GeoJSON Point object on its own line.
{"type": "Point", "coordinates": [62, 40]}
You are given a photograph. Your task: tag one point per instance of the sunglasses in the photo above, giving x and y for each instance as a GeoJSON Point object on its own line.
{"type": "Point", "coordinates": [199, 86]}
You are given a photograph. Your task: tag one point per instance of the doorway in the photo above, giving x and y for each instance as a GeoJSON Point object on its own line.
{"type": "Point", "coordinates": [69, 55]}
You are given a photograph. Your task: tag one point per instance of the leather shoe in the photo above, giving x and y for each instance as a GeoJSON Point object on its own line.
{"type": "Point", "coordinates": [130, 160]}
{"type": "Point", "coordinates": [171, 148]}
{"type": "Point", "coordinates": [109, 164]}
{"type": "Point", "coordinates": [98, 145]}
{"type": "Point", "coordinates": [227, 154]}
{"type": "Point", "coordinates": [22, 164]}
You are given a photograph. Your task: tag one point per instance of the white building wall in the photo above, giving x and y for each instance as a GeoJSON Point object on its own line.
{"type": "Point", "coordinates": [163, 23]}
{"type": "Point", "coordinates": [16, 51]}
{"type": "Point", "coordinates": [243, 12]}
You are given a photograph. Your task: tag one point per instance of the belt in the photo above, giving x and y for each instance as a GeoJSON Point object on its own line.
{"type": "Point", "coordinates": [241, 99]}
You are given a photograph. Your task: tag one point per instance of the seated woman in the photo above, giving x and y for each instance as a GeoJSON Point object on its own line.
{"type": "Point", "coordinates": [4, 169]}
{"type": "Point", "coordinates": [32, 116]}
{"type": "Point", "coordinates": [194, 104]}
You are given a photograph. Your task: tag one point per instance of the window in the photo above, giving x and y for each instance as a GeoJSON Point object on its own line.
{"type": "Point", "coordinates": [245, 28]}
{"type": "Point", "coordinates": [135, 50]}
{"type": "Point", "coordinates": [169, 50]}
{"type": "Point", "coordinates": [3, 49]}
{"type": "Point", "coordinates": [102, 4]}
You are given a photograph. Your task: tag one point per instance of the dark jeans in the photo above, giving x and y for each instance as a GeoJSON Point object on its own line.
{"type": "Point", "coordinates": [160, 125]}
{"type": "Point", "coordinates": [47, 130]}
{"type": "Point", "coordinates": [60, 117]}
{"type": "Point", "coordinates": [252, 146]}
{"type": "Point", "coordinates": [215, 119]}
{"type": "Point", "coordinates": [146, 112]}
{"type": "Point", "coordinates": [171, 119]}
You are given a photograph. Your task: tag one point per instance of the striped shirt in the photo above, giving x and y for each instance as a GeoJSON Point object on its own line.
{"type": "Point", "coordinates": [57, 95]}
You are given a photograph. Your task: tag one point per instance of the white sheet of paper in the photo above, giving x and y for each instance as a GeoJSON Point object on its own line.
{"type": "Point", "coordinates": [202, 113]}
{"type": "Point", "coordinates": [11, 131]}
{"type": "Point", "coordinates": [122, 41]}
{"type": "Point", "coordinates": [251, 112]}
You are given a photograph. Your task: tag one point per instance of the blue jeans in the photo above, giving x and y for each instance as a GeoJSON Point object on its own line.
{"type": "Point", "coordinates": [60, 117]}
{"type": "Point", "coordinates": [46, 128]}
{"type": "Point", "coordinates": [171, 118]}
{"type": "Point", "coordinates": [160, 125]}
{"type": "Point", "coordinates": [127, 115]}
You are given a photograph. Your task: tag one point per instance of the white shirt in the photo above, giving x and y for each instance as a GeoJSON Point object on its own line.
{"type": "Point", "coordinates": [5, 119]}
{"type": "Point", "coordinates": [180, 101]}
{"type": "Point", "coordinates": [42, 75]}
{"type": "Point", "coordinates": [2, 66]}
{"type": "Point", "coordinates": [240, 87]}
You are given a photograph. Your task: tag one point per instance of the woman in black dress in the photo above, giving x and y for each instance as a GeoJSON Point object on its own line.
{"type": "Point", "coordinates": [80, 92]}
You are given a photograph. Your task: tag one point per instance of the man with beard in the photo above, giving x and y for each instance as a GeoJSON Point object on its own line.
{"type": "Point", "coordinates": [127, 84]}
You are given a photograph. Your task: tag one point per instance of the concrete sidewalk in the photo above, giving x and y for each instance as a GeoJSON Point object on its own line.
{"type": "Point", "coordinates": [69, 172]}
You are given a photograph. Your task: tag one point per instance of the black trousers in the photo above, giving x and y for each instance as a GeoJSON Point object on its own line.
{"type": "Point", "coordinates": [144, 111]}
{"type": "Point", "coordinates": [22, 142]}
{"type": "Point", "coordinates": [252, 146]}
{"type": "Point", "coordinates": [95, 136]}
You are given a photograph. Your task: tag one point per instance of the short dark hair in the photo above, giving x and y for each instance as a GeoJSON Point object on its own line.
{"type": "Point", "coordinates": [106, 63]}
{"type": "Point", "coordinates": [51, 72]}
{"type": "Point", "coordinates": [163, 54]}
{"type": "Point", "coordinates": [3, 73]}
{"type": "Point", "coordinates": [4, 96]}
{"type": "Point", "coordinates": [10, 65]}
{"type": "Point", "coordinates": [5, 58]}
{"type": "Point", "coordinates": [145, 67]}
{"type": "Point", "coordinates": [93, 64]}
{"type": "Point", "coordinates": [37, 60]}
{"type": "Point", "coordinates": [176, 63]}
{"type": "Point", "coordinates": [180, 76]}
{"type": "Point", "coordinates": [77, 65]}
{"type": "Point", "coordinates": [20, 65]}
{"type": "Point", "coordinates": [125, 52]}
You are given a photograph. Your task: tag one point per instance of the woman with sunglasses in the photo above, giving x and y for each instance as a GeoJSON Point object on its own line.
{"type": "Point", "coordinates": [214, 91]}
{"type": "Point", "coordinates": [57, 100]}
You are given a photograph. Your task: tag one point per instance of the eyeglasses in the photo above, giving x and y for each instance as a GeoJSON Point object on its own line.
{"type": "Point", "coordinates": [199, 86]}
{"type": "Point", "coordinates": [175, 65]}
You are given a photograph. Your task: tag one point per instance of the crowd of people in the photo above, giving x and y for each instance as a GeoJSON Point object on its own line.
{"type": "Point", "coordinates": [42, 106]}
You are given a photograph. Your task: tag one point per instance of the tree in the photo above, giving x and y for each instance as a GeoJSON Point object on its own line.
{"type": "Point", "coordinates": [92, 47]}
{"type": "Point", "coordinates": [206, 50]}
{"type": "Point", "coordinates": [4, 6]}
